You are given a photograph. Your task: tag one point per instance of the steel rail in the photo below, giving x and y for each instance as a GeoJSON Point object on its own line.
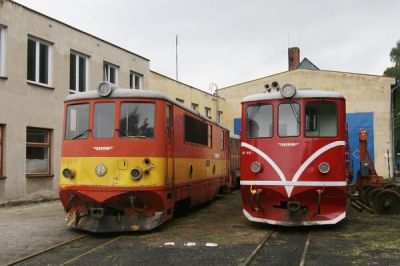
{"type": "Point", "coordinates": [305, 250]}
{"type": "Point", "coordinates": [251, 256]}
{"type": "Point", "coordinates": [44, 251]}
{"type": "Point", "coordinates": [92, 250]}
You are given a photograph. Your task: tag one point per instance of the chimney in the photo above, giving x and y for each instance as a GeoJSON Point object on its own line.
{"type": "Point", "coordinates": [294, 57]}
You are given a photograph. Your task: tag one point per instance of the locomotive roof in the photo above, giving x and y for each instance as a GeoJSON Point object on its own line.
{"type": "Point", "coordinates": [299, 94]}
{"type": "Point", "coordinates": [127, 93]}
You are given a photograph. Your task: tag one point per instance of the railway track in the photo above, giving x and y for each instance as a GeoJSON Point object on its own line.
{"type": "Point", "coordinates": [281, 238]}
{"type": "Point", "coordinates": [61, 254]}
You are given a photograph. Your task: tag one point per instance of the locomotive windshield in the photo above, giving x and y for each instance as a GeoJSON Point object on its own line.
{"type": "Point", "coordinates": [104, 120]}
{"type": "Point", "coordinates": [77, 126]}
{"type": "Point", "coordinates": [321, 119]}
{"type": "Point", "coordinates": [259, 121]}
{"type": "Point", "coordinates": [289, 120]}
{"type": "Point", "coordinates": [137, 120]}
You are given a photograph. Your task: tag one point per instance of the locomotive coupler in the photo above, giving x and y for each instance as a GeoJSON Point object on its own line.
{"type": "Point", "coordinates": [255, 196]}
{"type": "Point", "coordinates": [96, 213]}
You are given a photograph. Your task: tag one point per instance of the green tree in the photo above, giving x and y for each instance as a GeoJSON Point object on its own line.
{"type": "Point", "coordinates": [394, 71]}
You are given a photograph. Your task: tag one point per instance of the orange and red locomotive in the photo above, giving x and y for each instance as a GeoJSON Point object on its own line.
{"type": "Point", "coordinates": [130, 157]}
{"type": "Point", "coordinates": [293, 166]}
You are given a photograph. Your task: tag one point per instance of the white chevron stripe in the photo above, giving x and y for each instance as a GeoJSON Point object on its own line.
{"type": "Point", "coordinates": [289, 185]}
{"type": "Point", "coordinates": [269, 160]}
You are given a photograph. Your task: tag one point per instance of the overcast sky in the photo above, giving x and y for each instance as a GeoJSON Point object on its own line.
{"type": "Point", "coordinates": [228, 41]}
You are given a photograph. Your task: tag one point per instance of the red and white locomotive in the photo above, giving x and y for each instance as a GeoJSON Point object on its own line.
{"type": "Point", "coordinates": [293, 166]}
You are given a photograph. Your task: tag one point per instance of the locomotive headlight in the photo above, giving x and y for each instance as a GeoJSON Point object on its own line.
{"type": "Point", "coordinates": [324, 168]}
{"type": "Point", "coordinates": [255, 167]}
{"type": "Point", "coordinates": [136, 173]}
{"type": "Point", "coordinates": [68, 173]}
{"type": "Point", "coordinates": [288, 91]}
{"type": "Point", "coordinates": [100, 169]}
{"type": "Point", "coordinates": [105, 89]}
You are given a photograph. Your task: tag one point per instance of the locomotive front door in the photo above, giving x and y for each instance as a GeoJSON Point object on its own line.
{"type": "Point", "coordinates": [170, 178]}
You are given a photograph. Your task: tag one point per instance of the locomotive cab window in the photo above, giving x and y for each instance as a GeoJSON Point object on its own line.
{"type": "Point", "coordinates": [289, 120]}
{"type": "Point", "coordinates": [104, 114]}
{"type": "Point", "coordinates": [259, 121]}
{"type": "Point", "coordinates": [77, 126]}
{"type": "Point", "coordinates": [321, 119]}
{"type": "Point", "coordinates": [137, 120]}
{"type": "Point", "coordinates": [197, 131]}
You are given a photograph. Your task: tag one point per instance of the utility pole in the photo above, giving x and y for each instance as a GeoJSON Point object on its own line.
{"type": "Point", "coordinates": [176, 56]}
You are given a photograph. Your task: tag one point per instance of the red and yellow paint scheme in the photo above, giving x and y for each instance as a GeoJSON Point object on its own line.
{"type": "Point", "coordinates": [116, 178]}
{"type": "Point", "coordinates": [293, 166]}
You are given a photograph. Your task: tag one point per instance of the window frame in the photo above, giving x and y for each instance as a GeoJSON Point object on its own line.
{"type": "Point", "coordinates": [77, 68]}
{"type": "Point", "coordinates": [106, 72]}
{"type": "Point", "coordinates": [272, 116]}
{"type": "Point", "coordinates": [207, 112]}
{"type": "Point", "coordinates": [195, 107]}
{"type": "Point", "coordinates": [299, 122]}
{"type": "Point", "coordinates": [182, 101]}
{"type": "Point", "coordinates": [49, 45]}
{"type": "Point", "coordinates": [219, 117]}
{"type": "Point", "coordinates": [2, 176]}
{"type": "Point", "coordinates": [337, 118]}
{"type": "Point", "coordinates": [47, 145]}
{"type": "Point", "coordinates": [3, 54]}
{"type": "Point", "coordinates": [132, 82]}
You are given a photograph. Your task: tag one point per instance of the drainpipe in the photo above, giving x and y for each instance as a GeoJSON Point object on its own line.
{"type": "Point", "coordinates": [395, 86]}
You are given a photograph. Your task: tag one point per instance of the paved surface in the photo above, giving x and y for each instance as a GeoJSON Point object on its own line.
{"type": "Point", "coordinates": [27, 229]}
{"type": "Point", "coordinates": [363, 239]}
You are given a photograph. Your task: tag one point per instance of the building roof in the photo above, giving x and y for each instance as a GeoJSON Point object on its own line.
{"type": "Point", "coordinates": [76, 29]}
{"type": "Point", "coordinates": [302, 69]}
{"type": "Point", "coordinates": [307, 64]}
{"type": "Point", "coordinates": [177, 81]}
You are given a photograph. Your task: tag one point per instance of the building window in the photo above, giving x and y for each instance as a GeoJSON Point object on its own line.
{"type": "Point", "coordinates": [136, 81]}
{"type": "Point", "coordinates": [78, 72]}
{"type": "Point", "coordinates": [2, 51]}
{"type": "Point", "coordinates": [110, 73]}
{"type": "Point", "coordinates": [219, 117]}
{"type": "Point", "coordinates": [39, 61]}
{"type": "Point", "coordinates": [180, 100]}
{"type": "Point", "coordinates": [38, 146]}
{"type": "Point", "coordinates": [1, 149]}
{"type": "Point", "coordinates": [195, 106]}
{"type": "Point", "coordinates": [207, 112]}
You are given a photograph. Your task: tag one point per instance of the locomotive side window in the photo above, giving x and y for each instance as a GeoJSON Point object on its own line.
{"type": "Point", "coordinates": [321, 119]}
{"type": "Point", "coordinates": [259, 121]}
{"type": "Point", "coordinates": [197, 131]}
{"type": "Point", "coordinates": [104, 114]}
{"type": "Point", "coordinates": [168, 121]}
{"type": "Point", "coordinates": [289, 120]}
{"type": "Point", "coordinates": [137, 120]}
{"type": "Point", "coordinates": [77, 126]}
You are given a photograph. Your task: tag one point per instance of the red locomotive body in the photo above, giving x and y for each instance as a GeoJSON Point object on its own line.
{"type": "Point", "coordinates": [293, 167]}
{"type": "Point", "coordinates": [130, 157]}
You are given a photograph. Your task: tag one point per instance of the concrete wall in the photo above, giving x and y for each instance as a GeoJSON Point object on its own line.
{"type": "Point", "coordinates": [363, 93]}
{"type": "Point", "coordinates": [23, 104]}
{"type": "Point", "coordinates": [187, 93]}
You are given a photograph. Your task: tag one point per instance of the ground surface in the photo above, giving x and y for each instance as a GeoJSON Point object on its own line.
{"type": "Point", "coordinates": [362, 239]}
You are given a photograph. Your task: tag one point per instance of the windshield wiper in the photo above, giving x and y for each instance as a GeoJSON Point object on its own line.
{"type": "Point", "coordinates": [122, 132]}
{"type": "Point", "coordinates": [83, 133]}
